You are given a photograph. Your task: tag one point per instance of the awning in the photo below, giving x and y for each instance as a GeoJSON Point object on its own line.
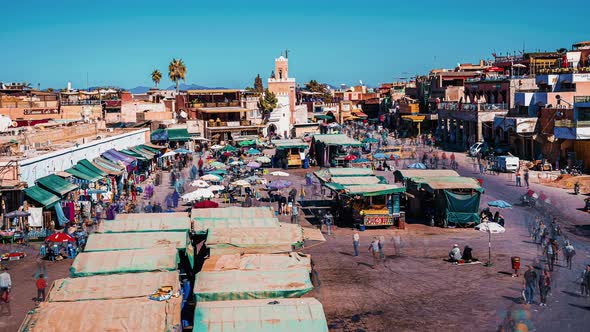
{"type": "Point", "coordinates": [105, 163]}
{"type": "Point", "coordinates": [150, 149]}
{"type": "Point", "coordinates": [41, 196]}
{"type": "Point", "coordinates": [159, 135]}
{"type": "Point", "coordinates": [106, 169]}
{"type": "Point", "coordinates": [116, 156]}
{"type": "Point", "coordinates": [90, 166]}
{"type": "Point", "coordinates": [133, 154]}
{"type": "Point", "coordinates": [360, 114]}
{"type": "Point", "coordinates": [82, 174]}
{"type": "Point", "coordinates": [149, 154]}
{"type": "Point", "coordinates": [154, 146]}
{"type": "Point", "coordinates": [290, 144]}
{"type": "Point", "coordinates": [56, 184]}
{"type": "Point", "coordinates": [322, 116]}
{"type": "Point", "coordinates": [180, 134]}
{"type": "Point", "coordinates": [336, 139]}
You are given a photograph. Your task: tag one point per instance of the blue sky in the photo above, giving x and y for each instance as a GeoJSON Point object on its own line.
{"type": "Point", "coordinates": [226, 43]}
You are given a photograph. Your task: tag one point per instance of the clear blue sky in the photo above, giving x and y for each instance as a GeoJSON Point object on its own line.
{"type": "Point", "coordinates": [226, 43]}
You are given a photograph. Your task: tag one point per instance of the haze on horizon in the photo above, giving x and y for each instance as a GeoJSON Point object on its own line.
{"type": "Point", "coordinates": [227, 44]}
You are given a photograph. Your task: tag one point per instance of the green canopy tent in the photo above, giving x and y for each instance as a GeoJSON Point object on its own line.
{"type": "Point", "coordinates": [56, 184]}
{"type": "Point", "coordinates": [179, 134]}
{"type": "Point", "coordinates": [83, 173]}
{"type": "Point", "coordinates": [41, 196]}
{"type": "Point", "coordinates": [86, 163]}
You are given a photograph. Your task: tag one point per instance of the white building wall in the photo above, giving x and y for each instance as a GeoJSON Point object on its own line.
{"type": "Point", "coordinates": [301, 114]}
{"type": "Point", "coordinates": [280, 116]}
{"type": "Point", "coordinates": [36, 167]}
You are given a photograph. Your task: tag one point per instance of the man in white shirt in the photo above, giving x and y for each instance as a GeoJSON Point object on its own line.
{"type": "Point", "coordinates": [5, 285]}
{"type": "Point", "coordinates": [355, 242]}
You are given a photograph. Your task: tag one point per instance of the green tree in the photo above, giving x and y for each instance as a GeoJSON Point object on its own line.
{"type": "Point", "coordinates": [156, 77]}
{"type": "Point", "coordinates": [314, 86]}
{"type": "Point", "coordinates": [176, 71]}
{"type": "Point", "coordinates": [267, 102]}
{"type": "Point", "coordinates": [258, 86]}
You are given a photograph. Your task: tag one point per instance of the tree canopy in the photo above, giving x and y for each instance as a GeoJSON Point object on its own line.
{"type": "Point", "coordinates": [156, 77]}
{"type": "Point", "coordinates": [315, 86]}
{"type": "Point", "coordinates": [258, 86]}
{"type": "Point", "coordinates": [176, 71]}
{"type": "Point", "coordinates": [267, 103]}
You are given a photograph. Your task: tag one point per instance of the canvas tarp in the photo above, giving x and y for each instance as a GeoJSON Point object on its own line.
{"type": "Point", "coordinates": [254, 240]}
{"type": "Point", "coordinates": [140, 314]}
{"type": "Point", "coordinates": [153, 216]}
{"type": "Point", "coordinates": [244, 285]}
{"type": "Point", "coordinates": [402, 174]}
{"type": "Point", "coordinates": [336, 139]}
{"type": "Point", "coordinates": [158, 224]}
{"type": "Point", "coordinates": [356, 180]}
{"type": "Point", "coordinates": [447, 183]}
{"type": "Point", "coordinates": [178, 134]}
{"type": "Point", "coordinates": [110, 287]}
{"type": "Point", "coordinates": [282, 315]}
{"type": "Point", "coordinates": [462, 209]}
{"type": "Point", "coordinates": [368, 190]}
{"type": "Point", "coordinates": [127, 241]}
{"type": "Point", "coordinates": [124, 261]}
{"type": "Point", "coordinates": [326, 175]}
{"type": "Point", "coordinates": [41, 196]}
{"type": "Point", "coordinates": [201, 225]}
{"type": "Point", "coordinates": [258, 262]}
{"type": "Point", "coordinates": [234, 212]}
{"type": "Point", "coordinates": [290, 144]}
{"type": "Point", "coordinates": [89, 165]}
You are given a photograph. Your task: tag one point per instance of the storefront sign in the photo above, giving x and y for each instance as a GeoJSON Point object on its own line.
{"type": "Point", "coordinates": [581, 78]}
{"type": "Point", "coordinates": [40, 111]}
{"type": "Point", "coordinates": [378, 220]}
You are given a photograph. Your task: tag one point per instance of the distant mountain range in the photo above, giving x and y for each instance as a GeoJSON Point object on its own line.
{"type": "Point", "coordinates": [182, 86]}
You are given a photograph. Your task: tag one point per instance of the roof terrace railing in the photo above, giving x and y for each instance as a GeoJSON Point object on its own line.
{"type": "Point", "coordinates": [470, 107]}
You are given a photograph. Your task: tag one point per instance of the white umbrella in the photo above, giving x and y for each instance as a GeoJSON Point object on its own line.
{"type": "Point", "coordinates": [211, 177]}
{"type": "Point", "coordinates": [216, 147]}
{"type": "Point", "coordinates": [241, 183]}
{"type": "Point", "coordinates": [235, 163]}
{"type": "Point", "coordinates": [199, 183]}
{"type": "Point", "coordinates": [279, 173]}
{"type": "Point", "coordinates": [490, 227]}
{"type": "Point", "coordinates": [263, 160]}
{"type": "Point", "coordinates": [198, 194]}
{"type": "Point", "coordinates": [216, 187]}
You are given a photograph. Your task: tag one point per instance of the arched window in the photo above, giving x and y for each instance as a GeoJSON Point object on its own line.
{"type": "Point", "coordinates": [280, 74]}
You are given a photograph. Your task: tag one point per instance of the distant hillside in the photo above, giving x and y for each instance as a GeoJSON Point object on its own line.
{"type": "Point", "coordinates": [139, 89]}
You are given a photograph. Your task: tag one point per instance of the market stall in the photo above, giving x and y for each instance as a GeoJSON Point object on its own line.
{"type": "Point", "coordinates": [290, 153]}
{"type": "Point", "coordinates": [330, 149]}
{"type": "Point", "coordinates": [154, 222]}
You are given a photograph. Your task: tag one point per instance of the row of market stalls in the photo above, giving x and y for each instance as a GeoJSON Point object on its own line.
{"type": "Point", "coordinates": [363, 199]}
{"type": "Point", "coordinates": [252, 279]}
{"type": "Point", "coordinates": [134, 275]}
{"type": "Point", "coordinates": [71, 195]}
{"type": "Point", "coordinates": [330, 149]}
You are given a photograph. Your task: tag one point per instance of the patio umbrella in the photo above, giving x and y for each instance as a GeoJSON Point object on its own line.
{"type": "Point", "coordinates": [206, 204]}
{"type": "Point", "coordinates": [236, 163]}
{"type": "Point", "coordinates": [279, 184]}
{"type": "Point", "coordinates": [182, 150]}
{"type": "Point", "coordinates": [168, 154]}
{"type": "Point", "coordinates": [216, 147]}
{"type": "Point", "coordinates": [229, 148]}
{"type": "Point", "coordinates": [216, 187]}
{"type": "Point", "coordinates": [60, 237]}
{"type": "Point", "coordinates": [500, 204]}
{"type": "Point", "coordinates": [417, 166]}
{"type": "Point", "coordinates": [17, 214]}
{"type": "Point", "coordinates": [254, 151]}
{"type": "Point", "coordinates": [241, 183]}
{"type": "Point", "coordinates": [254, 179]}
{"type": "Point", "coordinates": [199, 183]}
{"type": "Point", "coordinates": [198, 194]}
{"type": "Point", "coordinates": [217, 172]}
{"type": "Point", "coordinates": [279, 173]}
{"type": "Point", "coordinates": [211, 177]}
{"type": "Point", "coordinates": [350, 157]}
{"type": "Point", "coordinates": [253, 165]}
{"type": "Point", "coordinates": [379, 156]}
{"type": "Point", "coordinates": [490, 227]}
{"type": "Point", "coordinates": [361, 160]}
{"type": "Point", "coordinates": [218, 165]}
{"type": "Point", "coordinates": [370, 140]}
{"type": "Point", "coordinates": [246, 143]}
{"type": "Point", "coordinates": [96, 191]}
{"type": "Point", "coordinates": [263, 160]}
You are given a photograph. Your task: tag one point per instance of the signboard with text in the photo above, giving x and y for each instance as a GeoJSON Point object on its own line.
{"type": "Point", "coordinates": [378, 220]}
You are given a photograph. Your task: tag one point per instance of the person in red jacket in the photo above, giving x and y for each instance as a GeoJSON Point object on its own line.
{"type": "Point", "coordinates": [41, 285]}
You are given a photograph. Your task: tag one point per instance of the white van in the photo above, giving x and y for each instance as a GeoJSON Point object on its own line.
{"type": "Point", "coordinates": [507, 163]}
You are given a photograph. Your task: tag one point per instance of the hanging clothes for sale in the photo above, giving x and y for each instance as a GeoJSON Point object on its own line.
{"type": "Point", "coordinates": [85, 208]}
{"type": "Point", "coordinates": [61, 218]}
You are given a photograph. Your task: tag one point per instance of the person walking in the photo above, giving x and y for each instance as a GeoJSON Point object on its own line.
{"type": "Point", "coordinates": [381, 245]}
{"type": "Point", "coordinates": [294, 214]}
{"type": "Point", "coordinates": [328, 219]}
{"type": "Point", "coordinates": [355, 242]}
{"type": "Point", "coordinates": [5, 286]}
{"type": "Point", "coordinates": [529, 284]}
{"type": "Point", "coordinates": [374, 249]}
{"type": "Point", "coordinates": [550, 254]}
{"type": "Point", "coordinates": [544, 287]}
{"type": "Point", "coordinates": [526, 177]}
{"type": "Point", "coordinates": [518, 184]}
{"type": "Point", "coordinates": [570, 252]}
{"type": "Point", "coordinates": [41, 285]}
{"type": "Point", "coordinates": [585, 282]}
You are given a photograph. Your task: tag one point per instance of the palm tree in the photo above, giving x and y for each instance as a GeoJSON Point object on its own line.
{"type": "Point", "coordinates": [156, 77]}
{"type": "Point", "coordinates": [176, 71]}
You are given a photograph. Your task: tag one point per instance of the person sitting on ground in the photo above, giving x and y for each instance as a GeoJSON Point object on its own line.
{"type": "Point", "coordinates": [455, 254]}
{"type": "Point", "coordinates": [468, 255]}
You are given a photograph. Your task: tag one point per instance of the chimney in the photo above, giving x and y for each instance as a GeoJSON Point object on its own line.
{"type": "Point", "coordinates": [69, 86]}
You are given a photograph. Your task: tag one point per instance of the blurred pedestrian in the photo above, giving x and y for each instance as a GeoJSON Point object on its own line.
{"type": "Point", "coordinates": [570, 252]}
{"type": "Point", "coordinates": [526, 177]}
{"type": "Point", "coordinates": [5, 286]}
{"type": "Point", "coordinates": [329, 219]}
{"type": "Point", "coordinates": [355, 242]}
{"type": "Point", "coordinates": [294, 215]}
{"type": "Point", "coordinates": [550, 254]}
{"type": "Point", "coordinates": [544, 287]}
{"type": "Point", "coordinates": [585, 282]}
{"type": "Point", "coordinates": [529, 284]}
{"type": "Point", "coordinates": [518, 184]}
{"type": "Point", "coordinates": [381, 245]}
{"type": "Point", "coordinates": [41, 285]}
{"type": "Point", "coordinates": [374, 249]}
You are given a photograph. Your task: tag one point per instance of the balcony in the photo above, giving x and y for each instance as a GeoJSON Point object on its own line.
{"type": "Point", "coordinates": [456, 106]}
{"type": "Point", "coordinates": [79, 102]}
{"type": "Point", "coordinates": [227, 124]}
{"type": "Point", "coordinates": [572, 124]}
{"type": "Point", "coordinates": [235, 103]}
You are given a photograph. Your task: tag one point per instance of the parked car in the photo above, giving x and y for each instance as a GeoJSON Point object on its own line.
{"type": "Point", "coordinates": [507, 163]}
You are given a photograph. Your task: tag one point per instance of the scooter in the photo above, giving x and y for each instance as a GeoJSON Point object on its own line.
{"type": "Point", "coordinates": [577, 188]}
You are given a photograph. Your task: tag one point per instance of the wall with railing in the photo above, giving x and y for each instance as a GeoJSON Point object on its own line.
{"type": "Point", "coordinates": [480, 107]}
